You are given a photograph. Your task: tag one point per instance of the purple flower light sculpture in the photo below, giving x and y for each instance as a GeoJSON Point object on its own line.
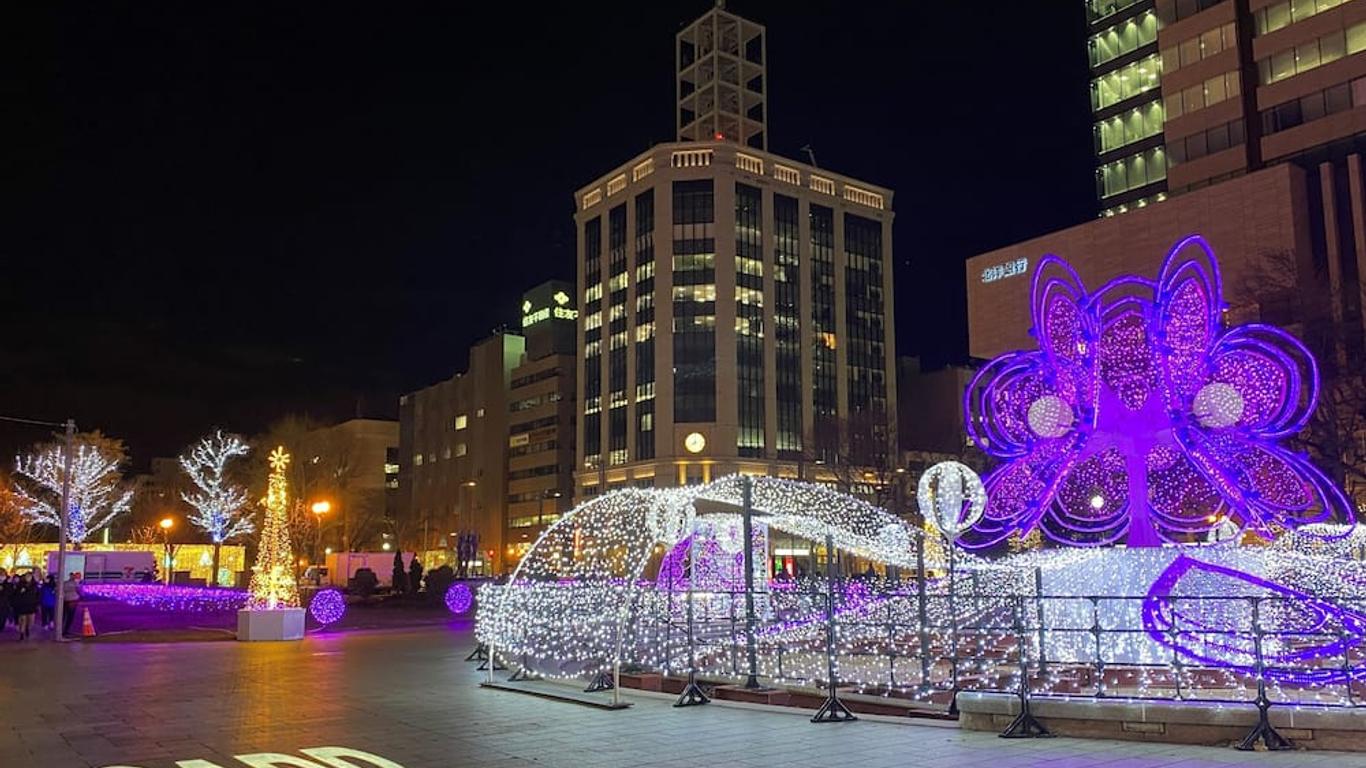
{"type": "Point", "coordinates": [1142, 419]}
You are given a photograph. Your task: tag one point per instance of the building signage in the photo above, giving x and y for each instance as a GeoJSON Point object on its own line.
{"type": "Point", "coordinates": [1002, 271]}
{"type": "Point", "coordinates": [532, 316]}
{"type": "Point", "coordinates": [321, 757]}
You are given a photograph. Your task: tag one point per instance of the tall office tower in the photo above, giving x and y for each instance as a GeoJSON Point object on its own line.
{"type": "Point", "coordinates": [541, 415]}
{"type": "Point", "coordinates": [1126, 101]}
{"type": "Point", "coordinates": [736, 307]}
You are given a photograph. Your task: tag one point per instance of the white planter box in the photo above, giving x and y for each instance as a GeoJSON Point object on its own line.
{"type": "Point", "coordinates": [282, 624]}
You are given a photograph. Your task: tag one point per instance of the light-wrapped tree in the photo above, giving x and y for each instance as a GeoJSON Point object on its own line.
{"type": "Point", "coordinates": [97, 492]}
{"type": "Point", "coordinates": [220, 506]}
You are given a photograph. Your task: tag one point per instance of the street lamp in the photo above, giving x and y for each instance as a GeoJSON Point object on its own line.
{"type": "Point", "coordinates": [319, 508]}
{"type": "Point", "coordinates": [166, 525]}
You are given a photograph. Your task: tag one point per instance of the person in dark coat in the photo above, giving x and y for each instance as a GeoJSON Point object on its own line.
{"type": "Point", "coordinates": [25, 602]}
{"type": "Point", "coordinates": [47, 601]}
{"type": "Point", "coordinates": [6, 598]}
{"type": "Point", "coordinates": [415, 575]}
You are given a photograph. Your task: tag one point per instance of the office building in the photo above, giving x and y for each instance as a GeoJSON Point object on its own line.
{"type": "Point", "coordinates": [1126, 102]}
{"type": "Point", "coordinates": [541, 417]}
{"type": "Point", "coordinates": [1188, 93]}
{"type": "Point", "coordinates": [355, 478]}
{"type": "Point", "coordinates": [453, 455]}
{"type": "Point", "coordinates": [736, 305]}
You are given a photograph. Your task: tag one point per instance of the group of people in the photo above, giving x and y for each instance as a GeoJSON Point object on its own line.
{"type": "Point", "coordinates": [28, 598]}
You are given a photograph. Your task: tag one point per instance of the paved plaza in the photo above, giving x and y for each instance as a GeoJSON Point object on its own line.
{"type": "Point", "coordinates": [409, 697]}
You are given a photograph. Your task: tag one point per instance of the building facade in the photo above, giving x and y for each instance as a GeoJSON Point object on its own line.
{"type": "Point", "coordinates": [736, 305]}
{"type": "Point", "coordinates": [541, 417]}
{"type": "Point", "coordinates": [1187, 93]}
{"type": "Point", "coordinates": [1126, 103]}
{"type": "Point", "coordinates": [453, 455]}
{"type": "Point", "coordinates": [355, 457]}
{"type": "Point", "coordinates": [737, 316]}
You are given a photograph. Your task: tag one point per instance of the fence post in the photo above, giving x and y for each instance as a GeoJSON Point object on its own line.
{"type": "Point", "coordinates": [1262, 731]}
{"type": "Point", "coordinates": [953, 625]}
{"type": "Point", "coordinates": [1039, 617]}
{"type": "Point", "coordinates": [1025, 725]}
{"type": "Point", "coordinates": [923, 612]}
{"type": "Point", "coordinates": [692, 694]}
{"type": "Point", "coordinates": [833, 710]}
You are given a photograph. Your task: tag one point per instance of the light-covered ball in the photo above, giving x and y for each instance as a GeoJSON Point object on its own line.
{"type": "Point", "coordinates": [1218, 405]}
{"type": "Point", "coordinates": [952, 497]}
{"type": "Point", "coordinates": [1050, 416]}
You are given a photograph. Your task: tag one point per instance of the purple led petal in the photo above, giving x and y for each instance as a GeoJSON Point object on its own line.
{"type": "Point", "coordinates": [1221, 632]}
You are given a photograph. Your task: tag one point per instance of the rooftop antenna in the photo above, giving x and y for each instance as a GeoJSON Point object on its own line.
{"type": "Point", "coordinates": [810, 155]}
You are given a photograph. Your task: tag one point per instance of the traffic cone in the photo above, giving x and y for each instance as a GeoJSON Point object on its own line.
{"type": "Point", "coordinates": [87, 626]}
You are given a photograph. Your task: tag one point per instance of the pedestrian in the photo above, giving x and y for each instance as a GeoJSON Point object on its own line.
{"type": "Point", "coordinates": [6, 595]}
{"type": "Point", "coordinates": [415, 575]}
{"type": "Point", "coordinates": [71, 600]}
{"type": "Point", "coordinates": [47, 601]}
{"type": "Point", "coordinates": [25, 602]}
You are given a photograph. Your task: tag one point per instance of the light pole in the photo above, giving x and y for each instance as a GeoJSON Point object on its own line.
{"type": "Point", "coordinates": [166, 524]}
{"type": "Point", "coordinates": [319, 508]}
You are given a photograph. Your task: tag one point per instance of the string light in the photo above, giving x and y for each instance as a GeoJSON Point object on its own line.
{"type": "Point", "coordinates": [169, 598]}
{"type": "Point", "coordinates": [272, 578]}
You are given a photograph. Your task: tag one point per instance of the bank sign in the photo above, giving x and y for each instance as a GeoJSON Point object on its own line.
{"type": "Point", "coordinates": [531, 315]}
{"type": "Point", "coordinates": [317, 757]}
{"type": "Point", "coordinates": [1002, 271]}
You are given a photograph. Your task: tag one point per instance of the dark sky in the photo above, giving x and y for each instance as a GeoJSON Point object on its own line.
{"type": "Point", "coordinates": [232, 211]}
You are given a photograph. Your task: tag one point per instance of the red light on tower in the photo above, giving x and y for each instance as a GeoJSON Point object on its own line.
{"type": "Point", "coordinates": [720, 136]}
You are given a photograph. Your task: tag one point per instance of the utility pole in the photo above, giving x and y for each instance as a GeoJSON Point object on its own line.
{"type": "Point", "coordinates": [60, 607]}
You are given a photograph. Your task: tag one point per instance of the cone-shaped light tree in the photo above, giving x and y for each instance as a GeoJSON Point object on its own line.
{"type": "Point", "coordinates": [220, 506]}
{"type": "Point", "coordinates": [272, 580]}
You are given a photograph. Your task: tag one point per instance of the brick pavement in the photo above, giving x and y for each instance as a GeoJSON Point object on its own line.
{"type": "Point", "coordinates": [409, 697]}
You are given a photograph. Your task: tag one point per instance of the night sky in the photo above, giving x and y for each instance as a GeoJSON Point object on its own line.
{"type": "Point", "coordinates": [229, 212]}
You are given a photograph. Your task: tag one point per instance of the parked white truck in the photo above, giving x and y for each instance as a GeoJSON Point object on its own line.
{"type": "Point", "coordinates": [341, 566]}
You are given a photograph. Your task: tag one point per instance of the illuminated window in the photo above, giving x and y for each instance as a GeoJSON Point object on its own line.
{"type": "Point", "coordinates": [592, 320]}
{"type": "Point", "coordinates": [645, 331]}
{"type": "Point", "coordinates": [417, 459]}
{"type": "Point", "coordinates": [460, 449]}
{"type": "Point", "coordinates": [593, 293]}
{"type": "Point", "coordinates": [461, 422]}
{"type": "Point", "coordinates": [700, 293]}
{"type": "Point", "coordinates": [749, 266]}
{"type": "Point", "coordinates": [645, 271]}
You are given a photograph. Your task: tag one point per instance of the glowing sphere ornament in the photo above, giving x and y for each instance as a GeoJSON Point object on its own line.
{"type": "Point", "coordinates": [1050, 416]}
{"type": "Point", "coordinates": [1218, 405]}
{"type": "Point", "coordinates": [459, 598]}
{"type": "Point", "coordinates": [951, 496]}
{"type": "Point", "coordinates": [327, 607]}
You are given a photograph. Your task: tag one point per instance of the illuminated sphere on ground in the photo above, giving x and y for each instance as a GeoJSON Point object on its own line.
{"type": "Point", "coordinates": [459, 599]}
{"type": "Point", "coordinates": [328, 606]}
